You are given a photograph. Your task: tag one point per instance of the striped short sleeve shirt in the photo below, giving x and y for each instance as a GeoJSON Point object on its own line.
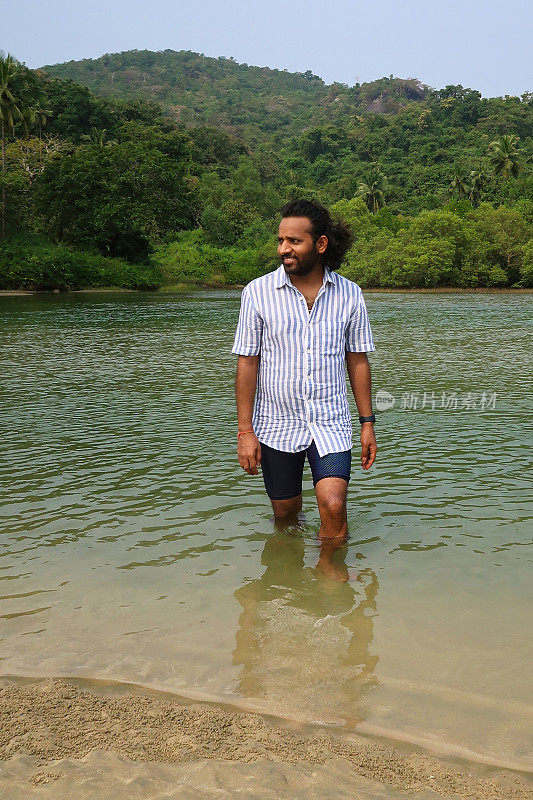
{"type": "Point", "coordinates": [301, 387]}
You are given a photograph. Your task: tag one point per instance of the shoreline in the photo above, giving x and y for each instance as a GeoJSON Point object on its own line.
{"type": "Point", "coordinates": [180, 288]}
{"type": "Point", "coordinates": [398, 739]}
{"type": "Point", "coordinates": [45, 721]}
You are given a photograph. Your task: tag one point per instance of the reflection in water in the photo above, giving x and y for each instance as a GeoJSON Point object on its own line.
{"type": "Point", "coordinates": [302, 634]}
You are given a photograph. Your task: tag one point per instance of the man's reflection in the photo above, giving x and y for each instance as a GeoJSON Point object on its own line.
{"type": "Point", "coordinates": [304, 638]}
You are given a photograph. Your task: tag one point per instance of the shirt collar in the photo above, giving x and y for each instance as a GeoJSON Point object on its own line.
{"type": "Point", "coordinates": [283, 279]}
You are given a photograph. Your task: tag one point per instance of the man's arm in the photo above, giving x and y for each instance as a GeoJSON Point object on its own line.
{"type": "Point", "coordinates": [360, 381]}
{"type": "Point", "coordinates": [248, 446]}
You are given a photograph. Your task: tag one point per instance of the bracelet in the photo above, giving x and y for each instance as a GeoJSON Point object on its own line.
{"type": "Point", "coordinates": [241, 433]}
{"type": "Point", "coordinates": [371, 418]}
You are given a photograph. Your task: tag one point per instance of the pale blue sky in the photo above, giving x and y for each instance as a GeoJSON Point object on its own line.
{"type": "Point", "coordinates": [482, 44]}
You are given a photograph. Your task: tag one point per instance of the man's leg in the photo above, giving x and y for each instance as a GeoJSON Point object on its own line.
{"type": "Point", "coordinates": [286, 511]}
{"type": "Point", "coordinates": [333, 533]}
{"type": "Point", "coordinates": [331, 498]}
{"type": "Point", "coordinates": [331, 474]}
{"type": "Point", "coordinates": [282, 474]}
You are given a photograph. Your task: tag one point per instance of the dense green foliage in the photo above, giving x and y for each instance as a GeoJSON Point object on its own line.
{"type": "Point", "coordinates": [246, 100]}
{"type": "Point", "coordinates": [181, 162]}
{"type": "Point", "coordinates": [192, 259]}
{"type": "Point", "coordinates": [326, 139]}
{"type": "Point", "coordinates": [455, 246]}
{"type": "Point", "coordinates": [132, 194]}
{"type": "Point", "coordinates": [43, 266]}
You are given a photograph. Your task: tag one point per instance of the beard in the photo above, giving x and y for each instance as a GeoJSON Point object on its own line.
{"type": "Point", "coordinates": [303, 266]}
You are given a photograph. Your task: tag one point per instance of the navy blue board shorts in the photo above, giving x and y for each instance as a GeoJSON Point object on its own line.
{"type": "Point", "coordinates": [282, 472]}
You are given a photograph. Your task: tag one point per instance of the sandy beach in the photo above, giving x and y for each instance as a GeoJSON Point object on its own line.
{"type": "Point", "coordinates": [59, 737]}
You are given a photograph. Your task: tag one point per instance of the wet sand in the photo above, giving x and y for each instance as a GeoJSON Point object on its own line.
{"type": "Point", "coordinates": [60, 739]}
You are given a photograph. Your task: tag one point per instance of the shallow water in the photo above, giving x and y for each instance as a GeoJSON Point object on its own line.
{"type": "Point", "coordinates": [134, 548]}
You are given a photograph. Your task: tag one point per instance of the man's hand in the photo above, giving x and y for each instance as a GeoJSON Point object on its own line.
{"type": "Point", "coordinates": [249, 453]}
{"type": "Point", "coordinates": [368, 445]}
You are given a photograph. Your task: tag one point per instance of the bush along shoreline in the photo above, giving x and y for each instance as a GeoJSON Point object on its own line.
{"type": "Point", "coordinates": [47, 267]}
{"type": "Point", "coordinates": [457, 247]}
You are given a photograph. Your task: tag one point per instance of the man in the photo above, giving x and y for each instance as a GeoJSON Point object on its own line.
{"type": "Point", "coordinates": [298, 326]}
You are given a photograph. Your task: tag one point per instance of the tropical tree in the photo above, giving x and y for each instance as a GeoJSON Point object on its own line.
{"type": "Point", "coordinates": [119, 199]}
{"type": "Point", "coordinates": [460, 183]}
{"type": "Point", "coordinates": [526, 269]}
{"type": "Point", "coordinates": [478, 182]}
{"type": "Point", "coordinates": [503, 154]}
{"type": "Point", "coordinates": [372, 191]}
{"type": "Point", "coordinates": [40, 114]}
{"type": "Point", "coordinates": [97, 137]}
{"type": "Point", "coordinates": [10, 109]}
{"type": "Point", "coordinates": [506, 231]}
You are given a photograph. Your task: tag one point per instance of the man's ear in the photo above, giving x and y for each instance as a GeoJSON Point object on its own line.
{"type": "Point", "coordinates": [322, 243]}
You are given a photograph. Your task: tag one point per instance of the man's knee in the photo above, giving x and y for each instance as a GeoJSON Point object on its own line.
{"type": "Point", "coordinates": [334, 505]}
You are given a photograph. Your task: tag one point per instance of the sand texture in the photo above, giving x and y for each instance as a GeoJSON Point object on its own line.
{"type": "Point", "coordinates": [60, 740]}
{"type": "Point", "coordinates": [108, 776]}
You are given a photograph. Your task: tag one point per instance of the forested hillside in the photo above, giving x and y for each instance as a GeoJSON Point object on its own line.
{"type": "Point", "coordinates": [114, 187]}
{"type": "Point", "coordinates": [253, 102]}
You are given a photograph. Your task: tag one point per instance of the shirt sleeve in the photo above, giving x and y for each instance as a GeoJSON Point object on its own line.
{"type": "Point", "coordinates": [358, 331]}
{"type": "Point", "coordinates": [249, 328]}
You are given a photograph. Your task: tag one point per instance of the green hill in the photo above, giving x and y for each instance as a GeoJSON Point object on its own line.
{"type": "Point", "coordinates": [142, 167]}
{"type": "Point", "coordinates": [241, 99]}
{"type": "Point", "coordinates": [305, 137]}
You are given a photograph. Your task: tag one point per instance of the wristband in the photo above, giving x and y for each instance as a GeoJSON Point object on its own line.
{"type": "Point", "coordinates": [371, 418]}
{"type": "Point", "coordinates": [241, 433]}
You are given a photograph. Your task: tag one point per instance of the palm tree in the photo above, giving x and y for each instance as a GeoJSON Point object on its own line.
{"type": "Point", "coordinates": [460, 183]}
{"type": "Point", "coordinates": [41, 114]}
{"type": "Point", "coordinates": [10, 109]}
{"type": "Point", "coordinates": [478, 181]}
{"type": "Point", "coordinates": [503, 154]}
{"type": "Point", "coordinates": [372, 191]}
{"type": "Point", "coordinates": [98, 137]}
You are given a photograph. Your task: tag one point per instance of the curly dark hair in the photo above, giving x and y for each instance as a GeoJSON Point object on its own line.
{"type": "Point", "coordinates": [339, 235]}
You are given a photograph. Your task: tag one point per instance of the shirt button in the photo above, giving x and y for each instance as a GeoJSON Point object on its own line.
{"type": "Point", "coordinates": [308, 351]}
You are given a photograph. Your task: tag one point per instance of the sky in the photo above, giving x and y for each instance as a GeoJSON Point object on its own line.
{"type": "Point", "coordinates": [481, 44]}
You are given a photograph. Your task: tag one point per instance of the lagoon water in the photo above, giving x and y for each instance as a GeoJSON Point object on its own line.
{"type": "Point", "coordinates": [133, 548]}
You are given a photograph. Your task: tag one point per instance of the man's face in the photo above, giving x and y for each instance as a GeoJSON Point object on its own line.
{"type": "Point", "coordinates": [298, 252]}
